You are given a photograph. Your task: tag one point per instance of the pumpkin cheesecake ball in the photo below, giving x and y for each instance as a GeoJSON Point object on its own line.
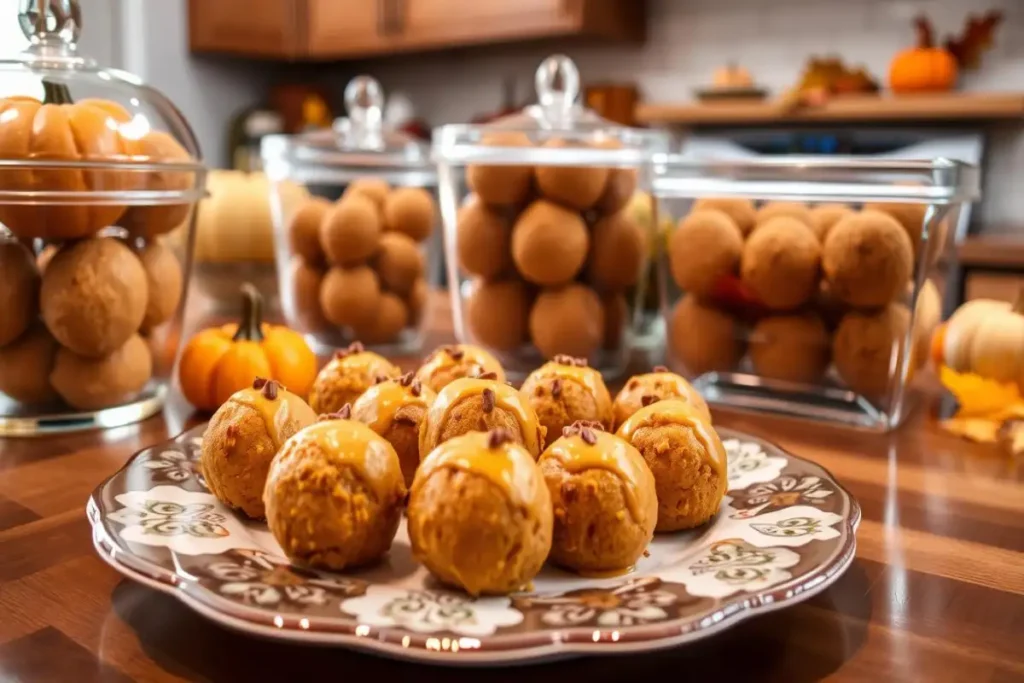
{"type": "Point", "coordinates": [480, 514]}
{"type": "Point", "coordinates": [575, 187]}
{"type": "Point", "coordinates": [704, 249]}
{"type": "Point", "coordinates": [502, 185]}
{"type": "Point", "coordinates": [350, 230]}
{"type": "Point", "coordinates": [475, 404]}
{"type": "Point", "coordinates": [740, 210]}
{"type": "Point", "coordinates": [454, 361]}
{"type": "Point", "coordinates": [866, 347]}
{"type": "Point", "coordinates": [867, 259]}
{"type": "Point", "coordinates": [350, 296]}
{"type": "Point", "coordinates": [483, 240]}
{"type": "Point", "coordinates": [243, 437]}
{"type": "Point", "coordinates": [549, 243]}
{"type": "Point", "coordinates": [25, 366]}
{"type": "Point", "coordinates": [781, 263]}
{"type": "Point", "coordinates": [164, 283]}
{"type": "Point", "coordinates": [686, 458]}
{"type": "Point", "coordinates": [96, 383]}
{"type": "Point", "coordinates": [564, 391]}
{"type": "Point", "coordinates": [796, 210]}
{"type": "Point", "coordinates": [399, 262]}
{"type": "Point", "coordinates": [497, 313]}
{"type": "Point", "coordinates": [19, 290]}
{"type": "Point", "coordinates": [410, 211]}
{"type": "Point", "coordinates": [394, 408]}
{"type": "Point", "coordinates": [704, 339]}
{"type": "Point", "coordinates": [618, 247]}
{"type": "Point", "coordinates": [351, 372]}
{"type": "Point", "coordinates": [334, 494]}
{"type": "Point", "coordinates": [793, 348]}
{"type": "Point", "coordinates": [909, 216]}
{"type": "Point", "coordinates": [658, 385]}
{"type": "Point", "coordinates": [304, 229]}
{"type": "Point", "coordinates": [375, 189]}
{"type": "Point", "coordinates": [94, 296]}
{"type": "Point", "coordinates": [824, 216]}
{"type": "Point", "coordinates": [568, 320]}
{"type": "Point", "coordinates": [603, 497]}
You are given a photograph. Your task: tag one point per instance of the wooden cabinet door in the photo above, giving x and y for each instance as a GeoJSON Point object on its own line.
{"type": "Point", "coordinates": [439, 22]}
{"type": "Point", "coordinates": [268, 28]}
{"type": "Point", "coordinates": [347, 28]}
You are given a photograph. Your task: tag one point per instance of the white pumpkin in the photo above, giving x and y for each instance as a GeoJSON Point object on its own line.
{"type": "Point", "coordinates": [986, 337]}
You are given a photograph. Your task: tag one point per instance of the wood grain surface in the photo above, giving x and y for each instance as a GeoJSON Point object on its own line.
{"type": "Point", "coordinates": [936, 592]}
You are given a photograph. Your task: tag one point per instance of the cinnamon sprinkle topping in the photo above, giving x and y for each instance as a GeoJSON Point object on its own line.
{"type": "Point", "coordinates": [270, 390]}
{"type": "Point", "coordinates": [416, 388]}
{"type": "Point", "coordinates": [489, 400]}
{"type": "Point", "coordinates": [486, 375]}
{"type": "Point", "coordinates": [556, 387]}
{"type": "Point", "coordinates": [344, 413]}
{"type": "Point", "coordinates": [648, 399]}
{"type": "Point", "coordinates": [354, 347]}
{"type": "Point", "coordinates": [571, 361]}
{"type": "Point", "coordinates": [660, 368]}
{"type": "Point", "coordinates": [585, 429]}
{"type": "Point", "coordinates": [452, 350]}
{"type": "Point", "coordinates": [406, 379]}
{"type": "Point", "coordinates": [497, 437]}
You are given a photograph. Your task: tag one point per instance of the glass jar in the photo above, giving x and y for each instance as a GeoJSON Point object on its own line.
{"type": "Point", "coordinates": [807, 286]}
{"type": "Point", "coordinates": [544, 249]}
{"type": "Point", "coordinates": [356, 255]}
{"type": "Point", "coordinates": [95, 171]}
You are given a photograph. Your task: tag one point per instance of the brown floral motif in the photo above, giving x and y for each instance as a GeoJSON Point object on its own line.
{"type": "Point", "coordinates": [782, 492]}
{"type": "Point", "coordinates": [254, 577]}
{"type": "Point", "coordinates": [171, 466]}
{"type": "Point", "coordinates": [638, 601]}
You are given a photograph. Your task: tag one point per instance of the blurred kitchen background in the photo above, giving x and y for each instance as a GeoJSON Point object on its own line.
{"type": "Point", "coordinates": [242, 68]}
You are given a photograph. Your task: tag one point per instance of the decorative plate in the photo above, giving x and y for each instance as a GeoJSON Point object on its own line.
{"type": "Point", "coordinates": [785, 532]}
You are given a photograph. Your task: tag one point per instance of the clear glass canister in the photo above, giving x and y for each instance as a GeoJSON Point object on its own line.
{"type": "Point", "coordinates": [546, 250]}
{"type": "Point", "coordinates": [809, 286]}
{"type": "Point", "coordinates": [356, 256]}
{"type": "Point", "coordinates": [95, 170]}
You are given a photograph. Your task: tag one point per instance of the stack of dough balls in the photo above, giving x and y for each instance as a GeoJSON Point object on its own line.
{"type": "Point", "coordinates": [797, 288]}
{"type": "Point", "coordinates": [357, 263]}
{"type": "Point", "coordinates": [551, 250]}
{"type": "Point", "coordinates": [76, 318]}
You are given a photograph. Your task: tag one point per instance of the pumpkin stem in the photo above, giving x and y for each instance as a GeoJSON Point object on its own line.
{"type": "Point", "coordinates": [1018, 305]}
{"type": "Point", "coordinates": [249, 327]}
{"type": "Point", "coordinates": [56, 93]}
{"type": "Point", "coordinates": [925, 34]}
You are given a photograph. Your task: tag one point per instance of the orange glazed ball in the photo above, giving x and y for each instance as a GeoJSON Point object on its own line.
{"type": "Point", "coordinates": [410, 210]}
{"type": "Point", "coordinates": [705, 248]}
{"type": "Point", "coordinates": [549, 243]}
{"type": "Point", "coordinates": [502, 185]}
{"type": "Point", "coordinates": [740, 210]}
{"type": "Point", "coordinates": [483, 239]}
{"type": "Point", "coordinates": [350, 230]}
{"type": "Point", "coordinates": [867, 259]}
{"type": "Point", "coordinates": [781, 263]}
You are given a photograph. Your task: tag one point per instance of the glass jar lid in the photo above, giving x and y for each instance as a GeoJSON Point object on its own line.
{"type": "Point", "coordinates": [358, 145]}
{"type": "Point", "coordinates": [74, 132]}
{"type": "Point", "coordinates": [557, 130]}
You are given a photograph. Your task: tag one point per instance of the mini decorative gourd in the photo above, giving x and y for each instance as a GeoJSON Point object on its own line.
{"type": "Point", "coordinates": [986, 337]}
{"type": "Point", "coordinates": [56, 129]}
{"type": "Point", "coordinates": [924, 68]}
{"type": "Point", "coordinates": [219, 361]}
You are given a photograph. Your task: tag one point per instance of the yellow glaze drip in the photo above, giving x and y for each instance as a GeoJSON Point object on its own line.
{"type": "Point", "coordinates": [509, 466]}
{"type": "Point", "coordinates": [676, 411]}
{"type": "Point", "coordinates": [347, 442]}
{"type": "Point", "coordinates": [471, 356]}
{"type": "Point", "coordinates": [505, 397]}
{"type": "Point", "coordinates": [612, 454]}
{"type": "Point", "coordinates": [377, 406]}
{"type": "Point", "coordinates": [276, 413]}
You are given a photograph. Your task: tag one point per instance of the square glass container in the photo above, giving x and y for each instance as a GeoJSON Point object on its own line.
{"type": "Point", "coordinates": [357, 245]}
{"type": "Point", "coordinates": [807, 286]}
{"type": "Point", "coordinates": [96, 170]}
{"type": "Point", "coordinates": [548, 228]}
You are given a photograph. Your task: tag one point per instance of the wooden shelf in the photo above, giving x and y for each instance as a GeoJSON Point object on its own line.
{"type": "Point", "coordinates": [999, 251]}
{"type": "Point", "coordinates": [945, 107]}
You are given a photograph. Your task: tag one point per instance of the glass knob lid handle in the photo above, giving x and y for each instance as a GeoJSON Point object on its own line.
{"type": "Point", "coordinates": [557, 82]}
{"type": "Point", "coordinates": [364, 100]}
{"type": "Point", "coordinates": [51, 22]}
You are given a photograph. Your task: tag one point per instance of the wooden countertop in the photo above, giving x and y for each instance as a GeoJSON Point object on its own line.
{"type": "Point", "coordinates": [885, 108]}
{"type": "Point", "coordinates": [936, 592]}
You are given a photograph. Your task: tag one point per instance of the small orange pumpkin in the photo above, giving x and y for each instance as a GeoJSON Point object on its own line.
{"type": "Point", "coordinates": [924, 68]}
{"type": "Point", "coordinates": [219, 361]}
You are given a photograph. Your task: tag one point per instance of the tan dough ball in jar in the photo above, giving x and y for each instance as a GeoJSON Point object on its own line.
{"type": "Point", "coordinates": [389, 319]}
{"type": "Point", "coordinates": [26, 364]}
{"type": "Point", "coordinates": [304, 229]}
{"type": "Point", "coordinates": [568, 320]}
{"type": "Point", "coordinates": [483, 239]}
{"type": "Point", "coordinates": [497, 313]}
{"type": "Point", "coordinates": [618, 248]}
{"type": "Point", "coordinates": [305, 281]}
{"type": "Point", "coordinates": [350, 230]}
{"type": "Point", "coordinates": [865, 348]}
{"type": "Point", "coordinates": [350, 296]}
{"type": "Point", "coordinates": [480, 514]}
{"type": "Point", "coordinates": [825, 216]}
{"type": "Point", "coordinates": [164, 283]}
{"type": "Point", "coordinates": [502, 185]}
{"type": "Point", "coordinates": [616, 320]}
{"type": "Point", "coordinates": [19, 290]}
{"type": "Point", "coordinates": [410, 211]}
{"type": "Point", "coordinates": [549, 244]}
{"type": "Point", "coordinates": [374, 189]}
{"type": "Point", "coordinates": [334, 495]}
{"type": "Point", "coordinates": [703, 338]}
{"type": "Point", "coordinates": [792, 348]}
{"type": "Point", "coordinates": [98, 383]}
{"type": "Point", "coordinates": [575, 187]}
{"type": "Point", "coordinates": [399, 262]}
{"type": "Point", "coordinates": [781, 263]}
{"type": "Point", "coordinates": [604, 500]}
{"type": "Point", "coordinates": [704, 249]}
{"type": "Point", "coordinates": [739, 209]}
{"type": "Point", "coordinates": [797, 211]}
{"type": "Point", "coordinates": [868, 259]}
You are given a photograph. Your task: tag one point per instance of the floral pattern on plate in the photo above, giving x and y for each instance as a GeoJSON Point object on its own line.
{"type": "Point", "coordinates": [432, 611]}
{"type": "Point", "coordinates": [785, 531]}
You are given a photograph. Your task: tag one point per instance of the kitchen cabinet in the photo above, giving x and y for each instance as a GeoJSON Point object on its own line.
{"type": "Point", "coordinates": [321, 30]}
